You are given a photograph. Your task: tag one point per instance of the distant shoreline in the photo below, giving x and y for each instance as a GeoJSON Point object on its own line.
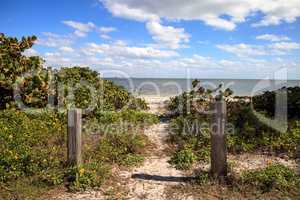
{"type": "Point", "coordinates": [215, 79]}
{"type": "Point", "coordinates": [172, 87]}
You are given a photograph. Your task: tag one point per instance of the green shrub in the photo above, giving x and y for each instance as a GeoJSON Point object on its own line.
{"type": "Point", "coordinates": [31, 146]}
{"type": "Point", "coordinates": [203, 177]}
{"type": "Point", "coordinates": [124, 149]}
{"type": "Point", "coordinates": [131, 159]}
{"type": "Point", "coordinates": [133, 117]}
{"type": "Point", "coordinates": [266, 102]}
{"type": "Point", "coordinates": [272, 177]}
{"type": "Point", "coordinates": [90, 175]}
{"type": "Point", "coordinates": [58, 83]}
{"type": "Point", "coordinates": [249, 133]}
{"type": "Point", "coordinates": [190, 132]}
{"type": "Point", "coordinates": [138, 117]}
{"type": "Point", "coordinates": [13, 64]}
{"type": "Point", "coordinates": [183, 159]}
{"type": "Point", "coordinates": [107, 95]}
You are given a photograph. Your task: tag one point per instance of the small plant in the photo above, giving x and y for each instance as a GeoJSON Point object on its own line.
{"type": "Point", "coordinates": [183, 159]}
{"type": "Point", "coordinates": [124, 149]}
{"type": "Point", "coordinates": [272, 177]}
{"type": "Point", "coordinates": [203, 177]}
{"type": "Point", "coordinates": [131, 160]}
{"type": "Point", "coordinates": [86, 176]}
{"type": "Point", "coordinates": [133, 117]}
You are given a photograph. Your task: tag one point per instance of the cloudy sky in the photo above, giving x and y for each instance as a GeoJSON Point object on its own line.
{"type": "Point", "coordinates": [162, 38]}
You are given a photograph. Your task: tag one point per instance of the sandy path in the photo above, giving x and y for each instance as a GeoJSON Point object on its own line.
{"type": "Point", "coordinates": [149, 180]}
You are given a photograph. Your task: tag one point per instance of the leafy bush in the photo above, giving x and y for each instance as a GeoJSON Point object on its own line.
{"type": "Point", "coordinates": [130, 116]}
{"type": "Point", "coordinates": [203, 177]}
{"type": "Point", "coordinates": [67, 87]}
{"type": "Point", "coordinates": [272, 177]}
{"type": "Point", "coordinates": [123, 149]}
{"type": "Point", "coordinates": [249, 133]}
{"type": "Point", "coordinates": [90, 88]}
{"type": "Point", "coordinates": [266, 102]}
{"type": "Point", "coordinates": [13, 65]}
{"type": "Point", "coordinates": [183, 159]}
{"type": "Point", "coordinates": [197, 101]}
{"type": "Point", "coordinates": [31, 146]}
{"type": "Point", "coordinates": [191, 132]}
{"type": "Point", "coordinates": [90, 175]}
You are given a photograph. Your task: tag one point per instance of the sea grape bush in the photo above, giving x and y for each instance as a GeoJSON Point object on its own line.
{"type": "Point", "coordinates": [67, 87]}
{"type": "Point", "coordinates": [14, 64]}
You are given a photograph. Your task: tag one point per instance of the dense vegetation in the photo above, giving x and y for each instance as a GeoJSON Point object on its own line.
{"type": "Point", "coordinates": [190, 126]}
{"type": "Point", "coordinates": [33, 144]}
{"type": "Point", "coordinates": [266, 102]}
{"type": "Point", "coordinates": [273, 182]}
{"type": "Point", "coordinates": [190, 134]}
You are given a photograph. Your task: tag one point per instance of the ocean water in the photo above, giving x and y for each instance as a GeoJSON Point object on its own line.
{"type": "Point", "coordinates": [171, 87]}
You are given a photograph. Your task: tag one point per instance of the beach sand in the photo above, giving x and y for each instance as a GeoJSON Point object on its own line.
{"type": "Point", "coordinates": [157, 104]}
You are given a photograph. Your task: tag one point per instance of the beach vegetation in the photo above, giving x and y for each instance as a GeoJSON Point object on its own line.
{"type": "Point", "coordinates": [33, 144]}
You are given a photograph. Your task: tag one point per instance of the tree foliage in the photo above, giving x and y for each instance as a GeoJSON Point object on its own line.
{"type": "Point", "coordinates": [25, 82]}
{"type": "Point", "coordinates": [14, 65]}
{"type": "Point", "coordinates": [266, 102]}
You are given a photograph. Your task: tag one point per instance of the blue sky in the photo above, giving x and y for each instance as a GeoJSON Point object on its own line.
{"type": "Point", "coordinates": [167, 38]}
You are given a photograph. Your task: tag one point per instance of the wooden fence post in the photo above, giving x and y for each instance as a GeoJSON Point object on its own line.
{"type": "Point", "coordinates": [74, 137]}
{"type": "Point", "coordinates": [218, 142]}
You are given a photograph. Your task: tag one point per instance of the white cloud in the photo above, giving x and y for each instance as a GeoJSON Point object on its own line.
{"type": "Point", "coordinates": [104, 29]}
{"type": "Point", "coordinates": [126, 11]}
{"type": "Point", "coordinates": [151, 62]}
{"type": "Point", "coordinates": [167, 35]}
{"type": "Point", "coordinates": [247, 50]}
{"type": "Point", "coordinates": [184, 67]}
{"type": "Point", "coordinates": [218, 22]}
{"type": "Point", "coordinates": [54, 40]}
{"type": "Point", "coordinates": [211, 12]}
{"type": "Point", "coordinates": [81, 29]}
{"type": "Point", "coordinates": [277, 12]}
{"type": "Point", "coordinates": [243, 50]}
{"type": "Point", "coordinates": [122, 50]}
{"type": "Point", "coordinates": [285, 46]}
{"type": "Point", "coordinates": [66, 49]}
{"type": "Point", "coordinates": [104, 36]}
{"type": "Point", "coordinates": [56, 59]}
{"type": "Point", "coordinates": [31, 52]}
{"type": "Point", "coordinates": [273, 38]}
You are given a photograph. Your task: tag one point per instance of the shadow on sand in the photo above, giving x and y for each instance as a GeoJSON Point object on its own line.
{"type": "Point", "coordinates": [162, 178]}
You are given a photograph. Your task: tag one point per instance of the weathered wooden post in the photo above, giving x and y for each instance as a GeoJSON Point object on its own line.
{"type": "Point", "coordinates": [74, 137]}
{"type": "Point", "coordinates": [218, 142]}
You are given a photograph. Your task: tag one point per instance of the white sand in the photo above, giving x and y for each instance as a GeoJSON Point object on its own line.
{"type": "Point", "coordinates": [156, 103]}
